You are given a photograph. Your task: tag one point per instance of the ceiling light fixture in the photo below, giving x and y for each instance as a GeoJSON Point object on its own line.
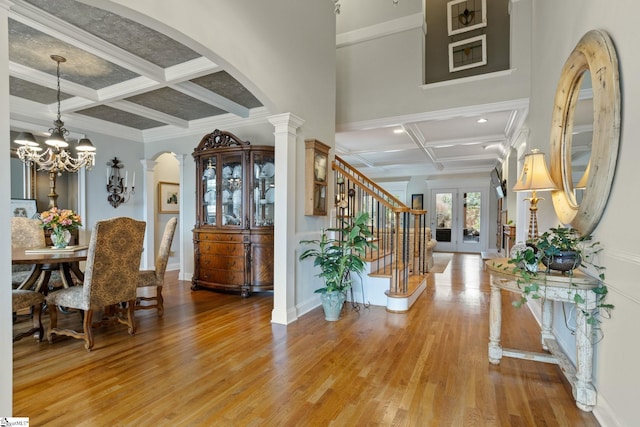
{"type": "Point", "coordinates": [55, 159]}
{"type": "Point", "coordinates": [398, 131]}
{"type": "Point", "coordinates": [482, 120]}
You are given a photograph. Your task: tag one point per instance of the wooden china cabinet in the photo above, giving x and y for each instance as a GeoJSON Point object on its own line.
{"type": "Point", "coordinates": [233, 235]}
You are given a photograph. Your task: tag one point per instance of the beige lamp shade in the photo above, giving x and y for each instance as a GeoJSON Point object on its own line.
{"type": "Point", "coordinates": [535, 175]}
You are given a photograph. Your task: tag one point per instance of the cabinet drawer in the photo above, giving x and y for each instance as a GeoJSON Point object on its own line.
{"type": "Point", "coordinates": [216, 248]}
{"type": "Point", "coordinates": [225, 277]}
{"type": "Point", "coordinates": [221, 262]}
{"type": "Point", "coordinates": [219, 237]}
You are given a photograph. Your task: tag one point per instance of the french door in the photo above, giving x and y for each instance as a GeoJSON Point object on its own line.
{"type": "Point", "coordinates": [457, 219]}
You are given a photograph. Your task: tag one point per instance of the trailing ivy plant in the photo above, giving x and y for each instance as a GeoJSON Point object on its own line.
{"type": "Point", "coordinates": [550, 243]}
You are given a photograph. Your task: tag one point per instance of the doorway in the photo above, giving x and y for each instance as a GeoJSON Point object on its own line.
{"type": "Point", "coordinates": [458, 219]}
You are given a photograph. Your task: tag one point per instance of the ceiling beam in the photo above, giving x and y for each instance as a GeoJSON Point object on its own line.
{"type": "Point", "coordinates": [150, 113]}
{"type": "Point", "coordinates": [198, 92]}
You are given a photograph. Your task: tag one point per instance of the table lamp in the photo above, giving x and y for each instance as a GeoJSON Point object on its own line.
{"type": "Point", "coordinates": [534, 177]}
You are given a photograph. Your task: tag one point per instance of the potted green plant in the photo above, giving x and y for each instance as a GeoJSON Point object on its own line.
{"type": "Point", "coordinates": [525, 256]}
{"type": "Point", "coordinates": [562, 248]}
{"type": "Point", "coordinates": [339, 252]}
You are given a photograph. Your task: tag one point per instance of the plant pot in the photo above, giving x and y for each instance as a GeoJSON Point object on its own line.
{"type": "Point", "coordinates": [564, 261]}
{"type": "Point", "coordinates": [332, 303]}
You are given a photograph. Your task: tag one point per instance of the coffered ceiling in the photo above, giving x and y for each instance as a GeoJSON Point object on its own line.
{"type": "Point", "coordinates": [120, 77]}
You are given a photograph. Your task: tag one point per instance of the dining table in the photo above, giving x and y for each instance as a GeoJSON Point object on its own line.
{"type": "Point", "coordinates": [45, 260]}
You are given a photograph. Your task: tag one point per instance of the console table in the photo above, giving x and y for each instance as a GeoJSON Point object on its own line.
{"type": "Point", "coordinates": [553, 287]}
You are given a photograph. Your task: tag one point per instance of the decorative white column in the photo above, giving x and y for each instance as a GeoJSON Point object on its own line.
{"type": "Point", "coordinates": [6, 328]}
{"type": "Point", "coordinates": [148, 184]}
{"type": "Point", "coordinates": [284, 259]}
{"type": "Point", "coordinates": [184, 239]}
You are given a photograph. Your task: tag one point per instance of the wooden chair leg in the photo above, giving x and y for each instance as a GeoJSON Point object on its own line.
{"type": "Point", "coordinates": [37, 321]}
{"type": "Point", "coordinates": [160, 301]}
{"type": "Point", "coordinates": [53, 321]}
{"type": "Point", "coordinates": [87, 329]}
{"type": "Point", "coordinates": [131, 321]}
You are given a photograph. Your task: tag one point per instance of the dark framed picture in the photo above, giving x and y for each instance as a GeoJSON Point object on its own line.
{"type": "Point", "coordinates": [468, 53]}
{"type": "Point", "coordinates": [24, 207]}
{"type": "Point", "coordinates": [466, 15]}
{"type": "Point", "coordinates": [416, 201]}
{"type": "Point", "coordinates": [168, 193]}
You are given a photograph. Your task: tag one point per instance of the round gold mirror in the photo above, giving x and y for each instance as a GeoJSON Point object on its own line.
{"type": "Point", "coordinates": [584, 186]}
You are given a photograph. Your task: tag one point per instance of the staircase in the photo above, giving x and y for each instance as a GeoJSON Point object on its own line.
{"type": "Point", "coordinates": [397, 268]}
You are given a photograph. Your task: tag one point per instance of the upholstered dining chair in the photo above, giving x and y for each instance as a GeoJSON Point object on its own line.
{"type": "Point", "coordinates": [155, 278]}
{"type": "Point", "coordinates": [22, 299]}
{"type": "Point", "coordinates": [110, 278]}
{"type": "Point", "coordinates": [26, 233]}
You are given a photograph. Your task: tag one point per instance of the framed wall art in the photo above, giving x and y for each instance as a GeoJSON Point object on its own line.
{"type": "Point", "coordinates": [416, 201]}
{"type": "Point", "coordinates": [24, 207]}
{"type": "Point", "coordinates": [466, 15]}
{"type": "Point", "coordinates": [468, 53]}
{"type": "Point", "coordinates": [168, 193]}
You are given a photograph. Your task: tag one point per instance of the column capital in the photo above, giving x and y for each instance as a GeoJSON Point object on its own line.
{"type": "Point", "coordinates": [286, 121]}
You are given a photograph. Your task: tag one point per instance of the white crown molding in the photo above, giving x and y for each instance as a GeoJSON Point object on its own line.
{"type": "Point", "coordinates": [517, 104]}
{"type": "Point", "coordinates": [192, 69]}
{"type": "Point", "coordinates": [383, 29]}
{"type": "Point", "coordinates": [200, 127]}
{"type": "Point", "coordinates": [470, 79]}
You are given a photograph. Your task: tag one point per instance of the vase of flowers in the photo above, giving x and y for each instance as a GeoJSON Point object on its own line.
{"type": "Point", "coordinates": [60, 222]}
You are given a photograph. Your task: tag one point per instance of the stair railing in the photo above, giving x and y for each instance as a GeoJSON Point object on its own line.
{"type": "Point", "coordinates": [399, 231]}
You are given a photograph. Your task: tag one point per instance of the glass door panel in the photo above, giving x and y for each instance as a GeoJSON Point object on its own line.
{"type": "Point", "coordinates": [444, 219]}
{"type": "Point", "coordinates": [471, 222]}
{"type": "Point", "coordinates": [263, 189]}
{"type": "Point", "coordinates": [209, 178]}
{"type": "Point", "coordinates": [458, 220]}
{"type": "Point", "coordinates": [232, 203]}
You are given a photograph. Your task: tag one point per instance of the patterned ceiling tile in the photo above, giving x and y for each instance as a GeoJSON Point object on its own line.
{"type": "Point", "coordinates": [223, 84]}
{"type": "Point", "coordinates": [122, 32]}
{"type": "Point", "coordinates": [34, 92]}
{"type": "Point", "coordinates": [120, 117]}
{"type": "Point", "coordinates": [32, 48]}
{"type": "Point", "coordinates": [175, 103]}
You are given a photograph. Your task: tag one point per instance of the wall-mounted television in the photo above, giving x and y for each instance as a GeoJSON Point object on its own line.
{"type": "Point", "coordinates": [498, 183]}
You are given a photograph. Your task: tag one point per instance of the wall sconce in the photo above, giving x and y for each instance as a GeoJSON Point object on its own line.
{"type": "Point", "coordinates": [116, 186]}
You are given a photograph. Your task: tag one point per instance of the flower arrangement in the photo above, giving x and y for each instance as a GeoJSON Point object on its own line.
{"type": "Point", "coordinates": [60, 222]}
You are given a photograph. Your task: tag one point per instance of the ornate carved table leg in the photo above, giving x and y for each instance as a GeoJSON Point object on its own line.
{"type": "Point", "coordinates": [547, 321]}
{"type": "Point", "coordinates": [584, 391]}
{"type": "Point", "coordinates": [495, 325]}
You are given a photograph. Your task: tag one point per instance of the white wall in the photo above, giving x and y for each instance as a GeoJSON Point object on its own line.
{"type": "Point", "coordinates": [383, 77]}
{"type": "Point", "coordinates": [557, 27]}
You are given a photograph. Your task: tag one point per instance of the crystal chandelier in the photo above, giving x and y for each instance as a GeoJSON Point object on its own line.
{"type": "Point", "coordinates": [55, 159]}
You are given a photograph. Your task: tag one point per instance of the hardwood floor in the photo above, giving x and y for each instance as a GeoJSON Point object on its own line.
{"type": "Point", "coordinates": [215, 359]}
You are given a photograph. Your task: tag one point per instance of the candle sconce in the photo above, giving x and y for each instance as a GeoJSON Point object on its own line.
{"type": "Point", "coordinates": [117, 187]}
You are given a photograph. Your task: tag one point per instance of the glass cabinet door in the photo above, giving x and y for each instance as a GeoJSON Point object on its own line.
{"type": "Point", "coordinates": [232, 201]}
{"type": "Point", "coordinates": [263, 197]}
{"type": "Point", "coordinates": [209, 180]}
